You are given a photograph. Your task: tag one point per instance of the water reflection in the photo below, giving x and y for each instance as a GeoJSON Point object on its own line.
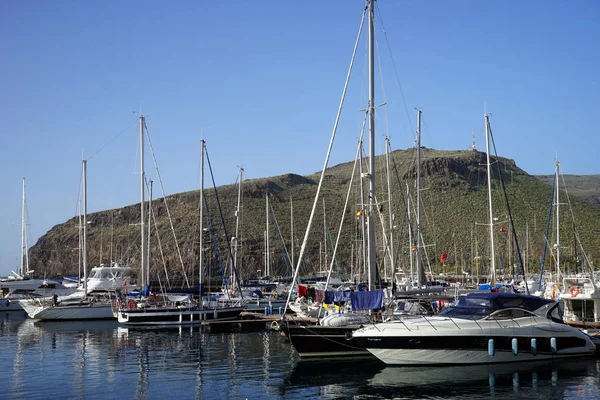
{"type": "Point", "coordinates": [100, 359]}
{"type": "Point", "coordinates": [477, 380]}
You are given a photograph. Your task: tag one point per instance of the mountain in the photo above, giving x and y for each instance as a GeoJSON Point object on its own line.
{"type": "Point", "coordinates": [454, 214]}
{"type": "Point", "coordinates": [586, 187]}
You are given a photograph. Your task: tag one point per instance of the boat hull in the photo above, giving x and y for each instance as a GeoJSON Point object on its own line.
{"type": "Point", "coordinates": [71, 312]}
{"type": "Point", "coordinates": [313, 341]}
{"type": "Point", "coordinates": [176, 316]}
{"type": "Point", "coordinates": [436, 341]}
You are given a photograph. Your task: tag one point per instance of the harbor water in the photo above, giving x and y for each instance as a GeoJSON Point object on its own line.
{"type": "Point", "coordinates": [101, 360]}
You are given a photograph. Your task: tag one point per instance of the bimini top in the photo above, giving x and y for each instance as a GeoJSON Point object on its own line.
{"type": "Point", "coordinates": [479, 304]}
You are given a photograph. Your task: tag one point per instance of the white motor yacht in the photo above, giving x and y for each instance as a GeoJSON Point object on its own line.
{"type": "Point", "coordinates": [481, 328]}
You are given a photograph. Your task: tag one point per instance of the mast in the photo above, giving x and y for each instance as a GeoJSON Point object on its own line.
{"type": "Point", "coordinates": [142, 177]}
{"type": "Point", "coordinates": [267, 247]}
{"type": "Point", "coordinates": [557, 245]}
{"type": "Point", "coordinates": [390, 215]}
{"type": "Point", "coordinates": [238, 216]}
{"type": "Point", "coordinates": [420, 275]}
{"type": "Point", "coordinates": [149, 232]}
{"type": "Point", "coordinates": [84, 250]}
{"type": "Point", "coordinates": [292, 231]}
{"type": "Point", "coordinates": [410, 239]}
{"type": "Point", "coordinates": [362, 217]}
{"type": "Point", "coordinates": [24, 264]}
{"type": "Point", "coordinates": [201, 254]}
{"type": "Point", "coordinates": [489, 179]}
{"type": "Point", "coordinates": [325, 264]}
{"type": "Point", "coordinates": [370, 214]}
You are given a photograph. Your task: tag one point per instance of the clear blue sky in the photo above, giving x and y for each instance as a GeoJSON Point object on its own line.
{"type": "Point", "coordinates": [261, 82]}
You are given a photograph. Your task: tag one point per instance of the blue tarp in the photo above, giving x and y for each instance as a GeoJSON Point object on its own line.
{"type": "Point", "coordinates": [336, 296]}
{"type": "Point", "coordinates": [367, 300]}
{"type": "Point", "coordinates": [145, 292]}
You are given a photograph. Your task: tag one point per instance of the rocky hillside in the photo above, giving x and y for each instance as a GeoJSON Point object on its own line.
{"type": "Point", "coordinates": [454, 209]}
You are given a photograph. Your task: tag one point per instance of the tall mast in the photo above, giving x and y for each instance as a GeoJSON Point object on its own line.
{"type": "Point", "coordinates": [24, 264]}
{"type": "Point", "coordinates": [267, 256]}
{"type": "Point", "coordinates": [363, 246]}
{"type": "Point", "coordinates": [149, 232]}
{"type": "Point", "coordinates": [370, 214]}
{"type": "Point", "coordinates": [84, 250]}
{"type": "Point", "coordinates": [238, 216]}
{"type": "Point", "coordinates": [292, 231]}
{"type": "Point", "coordinates": [142, 177]}
{"type": "Point", "coordinates": [201, 254]}
{"type": "Point", "coordinates": [325, 264]}
{"type": "Point", "coordinates": [420, 274]}
{"type": "Point", "coordinates": [410, 238]}
{"type": "Point", "coordinates": [489, 179]}
{"type": "Point", "coordinates": [390, 215]}
{"type": "Point", "coordinates": [557, 245]}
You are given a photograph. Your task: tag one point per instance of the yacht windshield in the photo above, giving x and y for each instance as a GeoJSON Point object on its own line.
{"type": "Point", "coordinates": [470, 308]}
{"type": "Point", "coordinates": [479, 305]}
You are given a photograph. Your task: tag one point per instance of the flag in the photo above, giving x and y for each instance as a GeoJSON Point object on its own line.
{"type": "Point", "coordinates": [443, 257]}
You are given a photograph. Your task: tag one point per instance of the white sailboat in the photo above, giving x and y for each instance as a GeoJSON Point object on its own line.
{"type": "Point", "coordinates": [21, 285]}
{"type": "Point", "coordinates": [94, 299]}
{"type": "Point", "coordinates": [164, 310]}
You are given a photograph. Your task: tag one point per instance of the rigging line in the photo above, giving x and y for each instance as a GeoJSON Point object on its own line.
{"type": "Point", "coordinates": [284, 252]}
{"type": "Point", "coordinates": [112, 140]}
{"type": "Point", "coordinates": [546, 235]}
{"type": "Point", "coordinates": [166, 204]}
{"type": "Point", "coordinates": [162, 255]}
{"type": "Point", "coordinates": [394, 65]}
{"type": "Point", "coordinates": [237, 277]}
{"type": "Point", "coordinates": [575, 230]}
{"type": "Point", "coordinates": [514, 232]}
{"type": "Point", "coordinates": [78, 206]}
{"type": "Point", "coordinates": [326, 162]}
{"type": "Point", "coordinates": [383, 95]}
{"type": "Point", "coordinates": [339, 234]}
{"type": "Point", "coordinates": [215, 241]}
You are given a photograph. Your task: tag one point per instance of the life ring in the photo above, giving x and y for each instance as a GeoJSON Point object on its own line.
{"type": "Point", "coordinates": [275, 325]}
{"type": "Point", "coordinates": [132, 304]}
{"type": "Point", "coordinates": [574, 290]}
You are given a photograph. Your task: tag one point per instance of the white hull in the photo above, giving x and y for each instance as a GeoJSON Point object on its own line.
{"type": "Point", "coordinates": [460, 357]}
{"type": "Point", "coordinates": [72, 312]}
{"type": "Point", "coordinates": [438, 340]}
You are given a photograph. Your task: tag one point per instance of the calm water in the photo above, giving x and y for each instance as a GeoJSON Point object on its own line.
{"type": "Point", "coordinates": [100, 360]}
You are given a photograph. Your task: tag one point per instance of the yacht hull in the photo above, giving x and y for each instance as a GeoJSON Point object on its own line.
{"type": "Point", "coordinates": [435, 341]}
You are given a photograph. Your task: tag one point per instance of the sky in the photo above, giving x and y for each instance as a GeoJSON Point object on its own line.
{"type": "Point", "coordinates": [261, 82]}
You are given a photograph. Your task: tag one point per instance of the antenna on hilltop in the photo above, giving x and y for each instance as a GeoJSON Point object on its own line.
{"type": "Point", "coordinates": [474, 144]}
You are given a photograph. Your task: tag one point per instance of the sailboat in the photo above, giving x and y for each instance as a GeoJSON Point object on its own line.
{"type": "Point", "coordinates": [21, 285]}
{"type": "Point", "coordinates": [333, 336]}
{"type": "Point", "coordinates": [580, 292]}
{"type": "Point", "coordinates": [481, 328]}
{"type": "Point", "coordinates": [93, 300]}
{"type": "Point", "coordinates": [164, 310]}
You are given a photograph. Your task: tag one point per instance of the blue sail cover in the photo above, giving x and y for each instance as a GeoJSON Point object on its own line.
{"type": "Point", "coordinates": [337, 296]}
{"type": "Point", "coordinates": [367, 300]}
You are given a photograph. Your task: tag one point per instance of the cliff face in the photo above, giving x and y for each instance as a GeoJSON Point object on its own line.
{"type": "Point", "coordinates": [454, 204]}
